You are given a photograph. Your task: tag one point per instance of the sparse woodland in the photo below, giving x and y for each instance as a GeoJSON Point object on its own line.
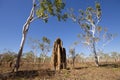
{"type": "Point", "coordinates": [60, 65]}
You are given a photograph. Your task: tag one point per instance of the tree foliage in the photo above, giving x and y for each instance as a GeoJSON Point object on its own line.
{"type": "Point", "coordinates": [48, 8]}
{"type": "Point", "coordinates": [73, 55]}
{"type": "Point", "coordinates": [34, 43]}
{"type": "Point", "coordinates": [45, 47]}
{"type": "Point", "coordinates": [115, 56]}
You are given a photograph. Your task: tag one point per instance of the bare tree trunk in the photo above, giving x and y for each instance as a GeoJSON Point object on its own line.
{"type": "Point", "coordinates": [95, 54]}
{"type": "Point", "coordinates": [73, 62]}
{"type": "Point", "coordinates": [44, 59]}
{"type": "Point", "coordinates": [24, 34]}
{"type": "Point", "coordinates": [35, 56]}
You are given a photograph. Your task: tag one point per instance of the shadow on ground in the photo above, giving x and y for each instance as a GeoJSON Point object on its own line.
{"type": "Point", "coordinates": [78, 68]}
{"type": "Point", "coordinates": [110, 65]}
{"type": "Point", "coordinates": [26, 74]}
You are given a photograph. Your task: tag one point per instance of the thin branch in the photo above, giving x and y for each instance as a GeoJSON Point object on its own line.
{"type": "Point", "coordinates": [107, 42]}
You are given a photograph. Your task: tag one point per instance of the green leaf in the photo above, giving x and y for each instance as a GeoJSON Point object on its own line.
{"type": "Point", "coordinates": [88, 27]}
{"type": "Point", "coordinates": [99, 28]}
{"type": "Point", "coordinates": [45, 20]}
{"type": "Point", "coordinates": [89, 9]}
{"type": "Point", "coordinates": [65, 16]}
{"type": "Point", "coordinates": [97, 5]}
{"type": "Point", "coordinates": [50, 10]}
{"type": "Point", "coordinates": [98, 10]}
{"type": "Point", "coordinates": [81, 12]}
{"type": "Point", "coordinates": [89, 17]}
{"type": "Point", "coordinates": [59, 17]}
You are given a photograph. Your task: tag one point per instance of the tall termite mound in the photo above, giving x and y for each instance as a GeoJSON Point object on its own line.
{"type": "Point", "coordinates": [58, 55]}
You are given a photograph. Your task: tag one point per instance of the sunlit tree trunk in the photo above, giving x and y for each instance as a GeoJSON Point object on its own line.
{"type": "Point", "coordinates": [73, 62]}
{"type": "Point", "coordinates": [35, 58]}
{"type": "Point", "coordinates": [24, 34]}
{"type": "Point", "coordinates": [95, 54]}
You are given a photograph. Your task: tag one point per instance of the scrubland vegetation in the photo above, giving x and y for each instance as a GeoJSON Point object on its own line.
{"type": "Point", "coordinates": [30, 66]}
{"type": "Point", "coordinates": [84, 68]}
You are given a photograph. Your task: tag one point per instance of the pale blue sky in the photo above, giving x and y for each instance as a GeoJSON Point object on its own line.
{"type": "Point", "coordinates": [13, 15]}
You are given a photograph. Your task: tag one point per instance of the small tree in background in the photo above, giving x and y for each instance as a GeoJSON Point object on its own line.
{"type": "Point", "coordinates": [73, 55]}
{"type": "Point", "coordinates": [82, 57]}
{"type": "Point", "coordinates": [90, 35]}
{"type": "Point", "coordinates": [106, 57]}
{"type": "Point", "coordinates": [115, 56]}
{"type": "Point", "coordinates": [34, 44]}
{"type": "Point", "coordinates": [45, 47]}
{"type": "Point", "coordinates": [118, 56]}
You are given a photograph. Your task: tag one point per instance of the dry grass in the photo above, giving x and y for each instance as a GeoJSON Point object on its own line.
{"type": "Point", "coordinates": [83, 71]}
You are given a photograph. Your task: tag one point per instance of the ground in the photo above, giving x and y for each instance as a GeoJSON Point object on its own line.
{"type": "Point", "coordinates": [82, 71]}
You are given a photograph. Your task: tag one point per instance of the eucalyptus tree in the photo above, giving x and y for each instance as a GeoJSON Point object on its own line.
{"type": "Point", "coordinates": [82, 57]}
{"type": "Point", "coordinates": [45, 47]}
{"type": "Point", "coordinates": [72, 52]}
{"type": "Point", "coordinates": [119, 57]}
{"type": "Point", "coordinates": [115, 56]}
{"type": "Point", "coordinates": [73, 55]}
{"type": "Point", "coordinates": [34, 43]}
{"type": "Point", "coordinates": [41, 9]}
{"type": "Point", "coordinates": [106, 57]}
{"type": "Point", "coordinates": [89, 23]}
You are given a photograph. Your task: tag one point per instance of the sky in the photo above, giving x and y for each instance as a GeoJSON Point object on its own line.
{"type": "Point", "coordinates": [13, 15]}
